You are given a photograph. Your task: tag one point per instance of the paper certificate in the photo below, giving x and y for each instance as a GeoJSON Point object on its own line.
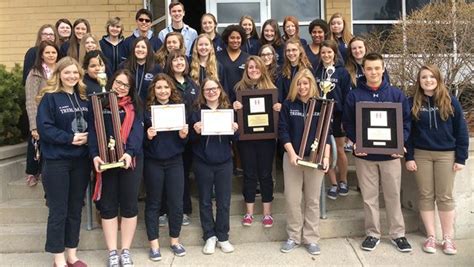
{"type": "Point", "coordinates": [168, 117]}
{"type": "Point", "coordinates": [217, 122]}
{"type": "Point", "coordinates": [257, 104]}
{"type": "Point", "coordinates": [257, 120]}
{"type": "Point", "coordinates": [378, 118]}
{"type": "Point", "coordinates": [376, 134]}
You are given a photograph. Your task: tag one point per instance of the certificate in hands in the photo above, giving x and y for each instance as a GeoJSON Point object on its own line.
{"type": "Point", "coordinates": [217, 122]}
{"type": "Point", "coordinates": [168, 117]}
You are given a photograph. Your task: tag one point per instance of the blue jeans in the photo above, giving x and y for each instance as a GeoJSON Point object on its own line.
{"type": "Point", "coordinates": [218, 176]}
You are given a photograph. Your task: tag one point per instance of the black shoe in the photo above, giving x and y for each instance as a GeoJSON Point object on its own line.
{"type": "Point", "coordinates": [402, 244]}
{"type": "Point", "coordinates": [370, 243]}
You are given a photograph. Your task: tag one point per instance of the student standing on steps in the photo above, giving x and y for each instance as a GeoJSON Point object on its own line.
{"type": "Point", "coordinates": [373, 169]}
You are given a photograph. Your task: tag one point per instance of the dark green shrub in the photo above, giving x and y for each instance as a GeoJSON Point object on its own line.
{"type": "Point", "coordinates": [12, 102]}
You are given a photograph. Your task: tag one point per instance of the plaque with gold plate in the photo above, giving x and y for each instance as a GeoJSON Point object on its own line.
{"type": "Point", "coordinates": [110, 147]}
{"type": "Point", "coordinates": [257, 120]}
{"type": "Point", "coordinates": [318, 145]}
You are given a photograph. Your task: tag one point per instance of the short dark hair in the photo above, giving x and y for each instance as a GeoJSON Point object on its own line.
{"type": "Point", "coordinates": [372, 57]}
{"type": "Point", "coordinates": [321, 24]}
{"type": "Point", "coordinates": [93, 54]}
{"type": "Point", "coordinates": [175, 3]}
{"type": "Point", "coordinates": [233, 28]}
{"type": "Point", "coordinates": [144, 11]}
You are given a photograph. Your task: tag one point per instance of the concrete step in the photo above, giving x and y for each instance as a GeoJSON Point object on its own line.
{"type": "Point", "coordinates": [34, 210]}
{"type": "Point", "coordinates": [17, 189]}
{"type": "Point", "coordinates": [23, 238]}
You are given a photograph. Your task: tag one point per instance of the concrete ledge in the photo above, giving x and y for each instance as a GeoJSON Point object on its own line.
{"type": "Point", "coordinates": [7, 152]}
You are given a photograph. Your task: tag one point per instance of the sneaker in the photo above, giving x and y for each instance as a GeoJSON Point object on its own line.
{"type": "Point", "coordinates": [430, 245]}
{"type": "Point", "coordinates": [186, 220]}
{"type": "Point", "coordinates": [313, 249]}
{"type": "Point", "coordinates": [154, 254]}
{"type": "Point", "coordinates": [163, 220]}
{"type": "Point", "coordinates": [370, 243]}
{"type": "Point", "coordinates": [449, 248]}
{"type": "Point", "coordinates": [178, 250]}
{"type": "Point", "coordinates": [126, 259]}
{"type": "Point", "coordinates": [225, 246]}
{"type": "Point", "coordinates": [247, 220]}
{"type": "Point", "coordinates": [343, 189]}
{"type": "Point", "coordinates": [267, 221]}
{"type": "Point", "coordinates": [288, 246]}
{"type": "Point", "coordinates": [114, 259]}
{"type": "Point", "coordinates": [332, 192]}
{"type": "Point", "coordinates": [210, 246]}
{"type": "Point", "coordinates": [402, 244]}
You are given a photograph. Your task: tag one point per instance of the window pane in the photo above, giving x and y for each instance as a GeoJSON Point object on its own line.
{"type": "Point", "coordinates": [304, 10]}
{"type": "Point", "coordinates": [231, 12]}
{"type": "Point", "coordinates": [364, 29]}
{"type": "Point", "coordinates": [414, 5]}
{"type": "Point", "coordinates": [376, 9]}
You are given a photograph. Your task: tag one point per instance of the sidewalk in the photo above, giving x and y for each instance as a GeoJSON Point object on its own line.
{"type": "Point", "coordinates": [338, 251]}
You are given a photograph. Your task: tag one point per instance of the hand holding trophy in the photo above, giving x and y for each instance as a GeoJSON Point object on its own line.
{"type": "Point", "coordinates": [322, 129]}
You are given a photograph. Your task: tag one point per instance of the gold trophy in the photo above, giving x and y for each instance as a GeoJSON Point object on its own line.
{"type": "Point", "coordinates": [316, 155]}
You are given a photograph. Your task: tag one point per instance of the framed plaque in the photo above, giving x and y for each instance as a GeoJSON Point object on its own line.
{"type": "Point", "coordinates": [168, 117]}
{"type": "Point", "coordinates": [379, 128]}
{"type": "Point", "coordinates": [257, 119]}
{"type": "Point", "coordinates": [217, 122]}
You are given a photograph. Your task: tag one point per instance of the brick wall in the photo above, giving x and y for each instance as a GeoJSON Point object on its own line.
{"type": "Point", "coordinates": [21, 19]}
{"type": "Point", "coordinates": [339, 6]}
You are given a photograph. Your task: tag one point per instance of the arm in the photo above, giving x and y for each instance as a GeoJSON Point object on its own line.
{"type": "Point", "coordinates": [461, 133]}
{"type": "Point", "coordinates": [46, 123]}
{"type": "Point", "coordinates": [135, 138]}
{"type": "Point", "coordinates": [32, 87]}
{"type": "Point", "coordinates": [348, 117]}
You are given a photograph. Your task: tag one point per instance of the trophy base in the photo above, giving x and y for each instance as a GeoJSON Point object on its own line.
{"type": "Point", "coordinates": [112, 165]}
{"type": "Point", "coordinates": [309, 164]}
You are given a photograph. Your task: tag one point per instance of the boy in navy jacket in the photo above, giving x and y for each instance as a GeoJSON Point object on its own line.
{"type": "Point", "coordinates": [373, 169]}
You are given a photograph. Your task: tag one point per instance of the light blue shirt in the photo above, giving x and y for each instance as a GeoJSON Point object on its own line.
{"type": "Point", "coordinates": [189, 35]}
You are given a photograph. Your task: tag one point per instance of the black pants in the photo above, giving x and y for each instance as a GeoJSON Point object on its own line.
{"type": "Point", "coordinates": [218, 176]}
{"type": "Point", "coordinates": [120, 191]}
{"type": "Point", "coordinates": [257, 163]}
{"type": "Point", "coordinates": [32, 165]}
{"type": "Point", "coordinates": [164, 176]}
{"type": "Point", "coordinates": [65, 182]}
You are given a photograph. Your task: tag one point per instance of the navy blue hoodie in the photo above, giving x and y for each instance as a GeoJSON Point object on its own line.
{"type": "Point", "coordinates": [115, 54]}
{"type": "Point", "coordinates": [134, 146]}
{"type": "Point", "coordinates": [165, 145]}
{"type": "Point", "coordinates": [92, 85]}
{"type": "Point", "coordinates": [189, 91]}
{"type": "Point", "coordinates": [283, 83]}
{"type": "Point", "coordinates": [56, 112]}
{"type": "Point", "coordinates": [385, 93]}
{"type": "Point", "coordinates": [432, 133]}
{"type": "Point", "coordinates": [233, 71]}
{"type": "Point", "coordinates": [210, 149]}
{"type": "Point", "coordinates": [341, 78]}
{"type": "Point", "coordinates": [128, 42]}
{"type": "Point", "coordinates": [342, 47]}
{"type": "Point", "coordinates": [29, 62]}
{"type": "Point", "coordinates": [251, 46]}
{"type": "Point", "coordinates": [291, 124]}
{"type": "Point", "coordinates": [143, 78]}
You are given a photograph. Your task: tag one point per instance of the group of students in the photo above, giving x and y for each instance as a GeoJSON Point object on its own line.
{"type": "Point", "coordinates": [205, 71]}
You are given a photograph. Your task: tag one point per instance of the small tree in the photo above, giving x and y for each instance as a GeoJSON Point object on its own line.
{"type": "Point", "coordinates": [12, 99]}
{"type": "Point", "coordinates": [440, 34]}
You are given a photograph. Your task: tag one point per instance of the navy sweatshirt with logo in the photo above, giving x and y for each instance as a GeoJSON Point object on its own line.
{"type": "Point", "coordinates": [56, 112]}
{"type": "Point", "coordinates": [432, 133]}
{"type": "Point", "coordinates": [143, 78]}
{"type": "Point", "coordinates": [115, 54]}
{"type": "Point", "coordinates": [341, 79]}
{"type": "Point", "coordinates": [291, 124]}
{"type": "Point", "coordinates": [210, 149]}
{"type": "Point", "coordinates": [385, 93]}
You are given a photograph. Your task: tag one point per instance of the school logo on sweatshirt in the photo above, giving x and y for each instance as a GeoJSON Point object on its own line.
{"type": "Point", "coordinates": [148, 77]}
{"type": "Point", "coordinates": [298, 113]}
{"type": "Point", "coordinates": [242, 67]}
{"type": "Point", "coordinates": [69, 109]}
{"type": "Point", "coordinates": [430, 109]}
{"type": "Point", "coordinates": [193, 91]}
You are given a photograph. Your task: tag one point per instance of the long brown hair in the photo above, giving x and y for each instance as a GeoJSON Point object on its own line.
{"type": "Point", "coordinates": [40, 32]}
{"type": "Point", "coordinates": [351, 63]}
{"type": "Point", "coordinates": [175, 96]}
{"type": "Point", "coordinates": [264, 82]}
{"type": "Point", "coordinates": [162, 54]}
{"type": "Point", "coordinates": [303, 61]}
{"type": "Point", "coordinates": [223, 100]}
{"type": "Point", "coordinates": [345, 34]}
{"type": "Point", "coordinates": [273, 67]}
{"type": "Point", "coordinates": [277, 41]}
{"type": "Point", "coordinates": [73, 41]}
{"type": "Point", "coordinates": [441, 95]}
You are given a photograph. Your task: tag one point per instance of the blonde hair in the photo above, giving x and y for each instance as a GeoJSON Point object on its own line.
{"type": "Point", "coordinates": [441, 95]}
{"type": "Point", "coordinates": [211, 63]}
{"type": "Point", "coordinates": [345, 34]}
{"type": "Point", "coordinates": [303, 61]}
{"type": "Point", "coordinates": [82, 46]}
{"type": "Point", "coordinates": [264, 82]}
{"type": "Point", "coordinates": [313, 89]}
{"type": "Point", "coordinates": [54, 84]}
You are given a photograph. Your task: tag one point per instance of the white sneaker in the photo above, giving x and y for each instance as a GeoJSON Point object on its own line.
{"type": "Point", "coordinates": [225, 246]}
{"type": "Point", "coordinates": [210, 246]}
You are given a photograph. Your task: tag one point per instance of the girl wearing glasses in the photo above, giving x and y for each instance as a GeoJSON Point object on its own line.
{"type": "Point", "coordinates": [212, 166]}
{"type": "Point", "coordinates": [117, 189]}
{"type": "Point", "coordinates": [268, 55]}
{"type": "Point", "coordinates": [61, 122]}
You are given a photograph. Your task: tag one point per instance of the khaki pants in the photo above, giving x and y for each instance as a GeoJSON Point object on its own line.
{"type": "Point", "coordinates": [302, 184]}
{"type": "Point", "coordinates": [435, 179]}
{"type": "Point", "coordinates": [370, 174]}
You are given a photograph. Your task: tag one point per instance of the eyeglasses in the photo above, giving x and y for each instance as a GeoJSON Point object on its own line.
{"type": "Point", "coordinates": [120, 83]}
{"type": "Point", "coordinates": [266, 55]}
{"type": "Point", "coordinates": [144, 20]}
{"type": "Point", "coordinates": [212, 89]}
{"type": "Point", "coordinates": [47, 34]}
